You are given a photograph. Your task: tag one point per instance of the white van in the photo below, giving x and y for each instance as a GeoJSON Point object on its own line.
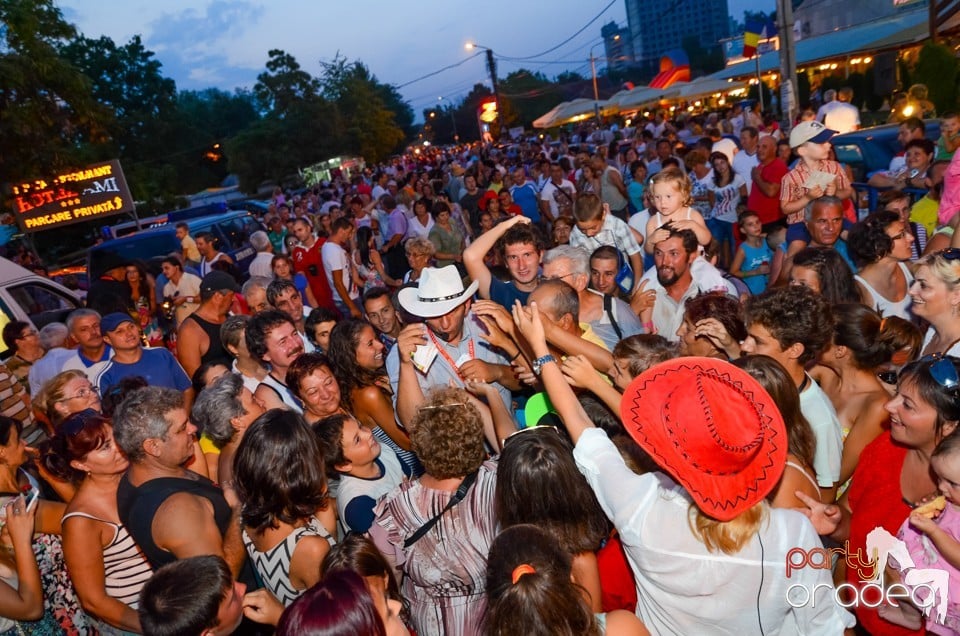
{"type": "Point", "coordinates": [35, 299]}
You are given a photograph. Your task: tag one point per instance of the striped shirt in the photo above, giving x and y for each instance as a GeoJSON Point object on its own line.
{"type": "Point", "coordinates": [14, 403]}
{"type": "Point", "coordinates": [792, 188]}
{"type": "Point", "coordinates": [125, 567]}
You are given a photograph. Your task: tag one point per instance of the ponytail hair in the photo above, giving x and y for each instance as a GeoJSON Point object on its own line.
{"type": "Point", "coordinates": [529, 590]}
{"type": "Point", "coordinates": [858, 328]}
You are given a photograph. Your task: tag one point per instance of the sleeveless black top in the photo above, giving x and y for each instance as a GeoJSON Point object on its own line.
{"type": "Point", "coordinates": [215, 352]}
{"type": "Point", "coordinates": [138, 506]}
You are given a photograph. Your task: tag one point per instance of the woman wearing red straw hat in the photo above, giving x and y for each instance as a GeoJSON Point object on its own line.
{"type": "Point", "coordinates": [708, 552]}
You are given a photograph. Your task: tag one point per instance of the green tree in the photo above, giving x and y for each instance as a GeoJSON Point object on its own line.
{"type": "Point", "coordinates": [48, 114]}
{"type": "Point", "coordinates": [128, 80]}
{"type": "Point", "coordinates": [284, 84]}
{"type": "Point", "coordinates": [529, 96]}
{"type": "Point", "coordinates": [370, 128]}
{"type": "Point", "coordinates": [568, 77]}
{"type": "Point", "coordinates": [937, 69]}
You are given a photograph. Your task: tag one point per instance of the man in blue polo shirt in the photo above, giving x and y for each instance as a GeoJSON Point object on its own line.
{"type": "Point", "coordinates": [524, 194]}
{"type": "Point", "coordinates": [130, 358]}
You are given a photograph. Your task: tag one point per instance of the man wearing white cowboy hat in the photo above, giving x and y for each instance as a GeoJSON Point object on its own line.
{"type": "Point", "coordinates": [449, 346]}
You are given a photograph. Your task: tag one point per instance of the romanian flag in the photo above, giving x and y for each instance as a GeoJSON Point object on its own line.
{"type": "Point", "coordinates": [751, 37]}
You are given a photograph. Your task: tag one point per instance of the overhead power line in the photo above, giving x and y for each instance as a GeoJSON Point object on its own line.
{"type": "Point", "coordinates": [552, 49]}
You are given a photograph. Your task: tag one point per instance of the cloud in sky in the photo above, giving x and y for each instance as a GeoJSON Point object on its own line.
{"type": "Point", "coordinates": [193, 45]}
{"type": "Point", "coordinates": [224, 43]}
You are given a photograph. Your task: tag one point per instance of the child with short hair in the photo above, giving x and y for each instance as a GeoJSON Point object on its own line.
{"type": "Point", "coordinates": [595, 227]}
{"type": "Point", "coordinates": [751, 263]}
{"type": "Point", "coordinates": [949, 139]}
{"type": "Point", "coordinates": [366, 470]}
{"type": "Point", "coordinates": [672, 198]}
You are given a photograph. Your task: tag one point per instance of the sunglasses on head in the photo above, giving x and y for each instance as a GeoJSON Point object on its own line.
{"type": "Point", "coordinates": [942, 370]}
{"type": "Point", "coordinates": [78, 421]}
{"type": "Point", "coordinates": [529, 429]}
{"type": "Point", "coordinates": [949, 253]}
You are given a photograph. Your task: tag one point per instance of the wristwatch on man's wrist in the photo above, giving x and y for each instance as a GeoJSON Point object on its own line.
{"type": "Point", "coordinates": [539, 362]}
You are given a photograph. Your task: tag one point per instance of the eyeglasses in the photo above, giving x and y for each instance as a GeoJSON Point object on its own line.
{"type": "Point", "coordinates": [78, 421]}
{"type": "Point", "coordinates": [530, 429]}
{"type": "Point", "coordinates": [82, 394]}
{"type": "Point", "coordinates": [942, 370]}
{"type": "Point", "coordinates": [546, 278]}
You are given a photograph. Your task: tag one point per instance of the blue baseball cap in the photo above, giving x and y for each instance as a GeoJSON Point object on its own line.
{"type": "Point", "coordinates": [114, 320]}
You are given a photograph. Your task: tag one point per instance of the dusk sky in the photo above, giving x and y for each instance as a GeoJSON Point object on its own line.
{"type": "Point", "coordinates": [224, 43]}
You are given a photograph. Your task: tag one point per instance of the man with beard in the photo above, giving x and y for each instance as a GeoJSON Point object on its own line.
{"type": "Point", "coordinates": [449, 342]}
{"type": "Point", "coordinates": [674, 283]}
{"type": "Point", "coordinates": [272, 338]}
{"type": "Point", "coordinates": [521, 246]}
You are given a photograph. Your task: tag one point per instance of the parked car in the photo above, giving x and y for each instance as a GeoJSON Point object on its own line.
{"type": "Point", "coordinates": [33, 298]}
{"type": "Point", "coordinates": [232, 231]}
{"type": "Point", "coordinates": [871, 149]}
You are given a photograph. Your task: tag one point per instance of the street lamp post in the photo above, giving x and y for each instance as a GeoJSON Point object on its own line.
{"type": "Point", "coordinates": [596, 93]}
{"type": "Point", "coordinates": [491, 66]}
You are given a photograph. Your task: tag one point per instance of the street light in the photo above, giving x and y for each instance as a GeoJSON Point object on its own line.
{"type": "Point", "coordinates": [593, 71]}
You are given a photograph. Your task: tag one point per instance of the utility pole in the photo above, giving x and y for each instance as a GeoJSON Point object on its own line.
{"type": "Point", "coordinates": [492, 66]}
{"type": "Point", "coordinates": [788, 62]}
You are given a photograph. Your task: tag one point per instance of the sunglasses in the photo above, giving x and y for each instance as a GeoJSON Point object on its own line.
{"type": "Point", "coordinates": [888, 377]}
{"type": "Point", "coordinates": [950, 253]}
{"type": "Point", "coordinates": [78, 421]}
{"type": "Point", "coordinates": [942, 370]}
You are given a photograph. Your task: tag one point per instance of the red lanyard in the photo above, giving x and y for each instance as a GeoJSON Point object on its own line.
{"type": "Point", "coordinates": [446, 356]}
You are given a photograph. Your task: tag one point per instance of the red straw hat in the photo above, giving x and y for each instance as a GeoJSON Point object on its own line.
{"type": "Point", "coordinates": [712, 427]}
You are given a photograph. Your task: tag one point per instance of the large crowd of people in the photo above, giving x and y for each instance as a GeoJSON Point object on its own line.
{"type": "Point", "coordinates": [610, 384]}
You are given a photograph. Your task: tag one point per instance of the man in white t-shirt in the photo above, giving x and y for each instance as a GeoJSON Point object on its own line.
{"type": "Point", "coordinates": [183, 288]}
{"type": "Point", "coordinates": [339, 268]}
{"type": "Point", "coordinates": [558, 195]}
{"type": "Point", "coordinates": [746, 160]}
{"type": "Point", "coordinates": [840, 115]}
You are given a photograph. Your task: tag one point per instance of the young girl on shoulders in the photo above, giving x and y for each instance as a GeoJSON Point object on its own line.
{"type": "Point", "coordinates": [671, 196]}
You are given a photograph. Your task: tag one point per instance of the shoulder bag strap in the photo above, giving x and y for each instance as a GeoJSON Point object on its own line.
{"type": "Point", "coordinates": [608, 308]}
{"type": "Point", "coordinates": [457, 498]}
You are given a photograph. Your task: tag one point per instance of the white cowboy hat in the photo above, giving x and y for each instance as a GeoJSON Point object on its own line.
{"type": "Point", "coordinates": [439, 292]}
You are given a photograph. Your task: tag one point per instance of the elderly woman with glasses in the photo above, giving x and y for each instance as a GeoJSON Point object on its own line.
{"type": "Point", "coordinates": [106, 566]}
{"type": "Point", "coordinates": [935, 294]}
{"type": "Point", "coordinates": [437, 530]}
{"type": "Point", "coordinates": [64, 394]}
